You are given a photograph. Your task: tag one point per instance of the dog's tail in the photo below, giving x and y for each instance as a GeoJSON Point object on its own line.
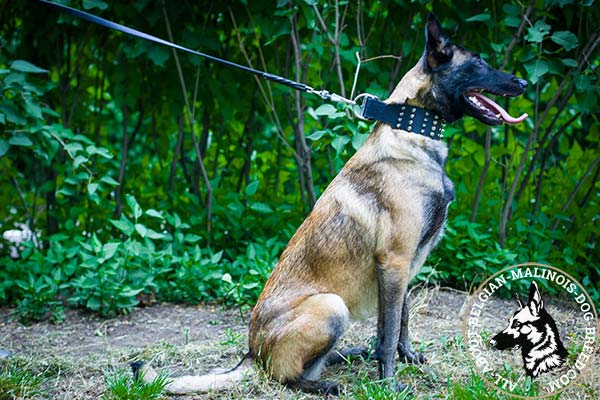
{"type": "Point", "coordinates": [200, 383]}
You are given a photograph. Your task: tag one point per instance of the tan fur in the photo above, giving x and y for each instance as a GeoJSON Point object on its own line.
{"type": "Point", "coordinates": [204, 383]}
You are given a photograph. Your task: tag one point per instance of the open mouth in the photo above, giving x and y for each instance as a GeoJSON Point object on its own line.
{"type": "Point", "coordinates": [488, 110]}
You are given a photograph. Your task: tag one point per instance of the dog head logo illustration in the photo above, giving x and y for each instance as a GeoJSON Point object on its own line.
{"type": "Point", "coordinates": [533, 330]}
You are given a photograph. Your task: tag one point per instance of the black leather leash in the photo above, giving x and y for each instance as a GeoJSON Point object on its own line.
{"type": "Point", "coordinates": [398, 116]}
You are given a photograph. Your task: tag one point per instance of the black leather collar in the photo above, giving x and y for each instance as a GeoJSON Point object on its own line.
{"type": "Point", "coordinates": [406, 117]}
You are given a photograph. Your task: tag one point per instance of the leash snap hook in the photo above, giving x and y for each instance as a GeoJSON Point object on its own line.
{"type": "Point", "coordinates": [360, 104]}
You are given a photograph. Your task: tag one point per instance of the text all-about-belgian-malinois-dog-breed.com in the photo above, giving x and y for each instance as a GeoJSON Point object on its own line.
{"type": "Point", "coordinates": [370, 232]}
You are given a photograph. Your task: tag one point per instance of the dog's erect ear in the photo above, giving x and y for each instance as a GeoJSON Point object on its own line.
{"type": "Point", "coordinates": [519, 302]}
{"type": "Point", "coordinates": [535, 302]}
{"type": "Point", "coordinates": [437, 48]}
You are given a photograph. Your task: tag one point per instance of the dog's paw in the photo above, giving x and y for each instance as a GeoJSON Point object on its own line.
{"type": "Point", "coordinates": [408, 356]}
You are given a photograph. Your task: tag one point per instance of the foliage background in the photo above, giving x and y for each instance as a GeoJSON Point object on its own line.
{"type": "Point", "coordinates": [148, 175]}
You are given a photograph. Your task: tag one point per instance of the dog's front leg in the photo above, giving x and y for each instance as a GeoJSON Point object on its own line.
{"type": "Point", "coordinates": [392, 281]}
{"type": "Point", "coordinates": [404, 351]}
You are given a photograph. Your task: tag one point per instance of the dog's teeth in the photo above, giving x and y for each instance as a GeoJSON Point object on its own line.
{"type": "Point", "coordinates": [498, 115]}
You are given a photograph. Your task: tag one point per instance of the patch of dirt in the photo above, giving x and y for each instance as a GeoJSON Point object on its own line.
{"type": "Point", "coordinates": [194, 339]}
{"type": "Point", "coordinates": [83, 334]}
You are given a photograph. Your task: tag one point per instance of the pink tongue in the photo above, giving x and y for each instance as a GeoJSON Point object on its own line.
{"type": "Point", "coordinates": [492, 105]}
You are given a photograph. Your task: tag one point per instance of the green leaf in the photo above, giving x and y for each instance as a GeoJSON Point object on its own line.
{"type": "Point", "coordinates": [152, 234]}
{"type": "Point", "coordinates": [316, 135]}
{"type": "Point", "coordinates": [566, 39]}
{"type": "Point", "coordinates": [325, 110]}
{"type": "Point", "coordinates": [158, 55]}
{"type": "Point", "coordinates": [191, 238]}
{"type": "Point", "coordinates": [101, 151]}
{"type": "Point", "coordinates": [109, 249]}
{"type": "Point", "coordinates": [4, 146]}
{"type": "Point", "coordinates": [135, 207]}
{"type": "Point", "coordinates": [73, 147]}
{"type": "Point", "coordinates": [133, 246]}
{"type": "Point", "coordinates": [227, 278]}
{"type": "Point", "coordinates": [24, 66]}
{"type": "Point", "coordinates": [329, 111]}
{"type": "Point", "coordinates": [339, 143]}
{"type": "Point", "coordinates": [536, 69]}
{"type": "Point", "coordinates": [261, 207]}
{"type": "Point", "coordinates": [124, 225]}
{"type": "Point", "coordinates": [251, 188]}
{"type": "Point", "coordinates": [512, 21]}
{"type": "Point", "coordinates": [569, 62]}
{"type": "Point", "coordinates": [479, 17]}
{"type": "Point", "coordinates": [33, 108]}
{"type": "Point", "coordinates": [537, 32]}
{"type": "Point", "coordinates": [89, 4]}
{"type": "Point", "coordinates": [79, 160]}
{"type": "Point", "coordinates": [153, 213]}
{"type": "Point", "coordinates": [109, 181]}
{"type": "Point", "coordinates": [92, 187]}
{"type": "Point", "coordinates": [141, 229]}
{"type": "Point", "coordinates": [359, 139]}
{"type": "Point", "coordinates": [20, 139]}
{"type": "Point", "coordinates": [216, 257]}
{"type": "Point", "coordinates": [128, 292]}
{"type": "Point", "coordinates": [582, 82]}
{"type": "Point", "coordinates": [94, 303]}
{"type": "Point", "coordinates": [65, 191]}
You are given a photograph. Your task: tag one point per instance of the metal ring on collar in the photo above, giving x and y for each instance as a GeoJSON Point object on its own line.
{"type": "Point", "coordinates": [361, 106]}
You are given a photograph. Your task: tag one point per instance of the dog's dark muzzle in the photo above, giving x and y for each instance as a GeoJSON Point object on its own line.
{"type": "Point", "coordinates": [521, 83]}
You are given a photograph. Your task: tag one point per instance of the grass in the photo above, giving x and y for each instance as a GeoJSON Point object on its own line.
{"type": "Point", "coordinates": [72, 368]}
{"type": "Point", "coordinates": [120, 385]}
{"type": "Point", "coordinates": [367, 389]}
{"type": "Point", "coordinates": [18, 382]}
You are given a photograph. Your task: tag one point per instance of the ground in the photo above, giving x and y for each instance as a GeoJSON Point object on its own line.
{"type": "Point", "coordinates": [76, 355]}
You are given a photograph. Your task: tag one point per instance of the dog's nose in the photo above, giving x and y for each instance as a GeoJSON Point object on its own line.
{"type": "Point", "coordinates": [521, 82]}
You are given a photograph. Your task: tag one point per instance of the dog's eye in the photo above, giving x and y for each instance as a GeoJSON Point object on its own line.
{"type": "Point", "coordinates": [516, 324]}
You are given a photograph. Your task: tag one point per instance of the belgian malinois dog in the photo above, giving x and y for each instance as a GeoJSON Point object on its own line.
{"type": "Point", "coordinates": [369, 233]}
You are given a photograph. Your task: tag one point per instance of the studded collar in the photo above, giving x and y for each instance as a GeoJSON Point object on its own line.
{"type": "Point", "coordinates": [406, 117]}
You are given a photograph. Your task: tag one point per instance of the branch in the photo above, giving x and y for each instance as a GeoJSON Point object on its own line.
{"type": "Point", "coordinates": [575, 190]}
{"type": "Point", "coordinates": [200, 161]}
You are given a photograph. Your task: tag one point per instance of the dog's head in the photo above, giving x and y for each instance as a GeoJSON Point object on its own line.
{"type": "Point", "coordinates": [526, 324]}
{"type": "Point", "coordinates": [458, 79]}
